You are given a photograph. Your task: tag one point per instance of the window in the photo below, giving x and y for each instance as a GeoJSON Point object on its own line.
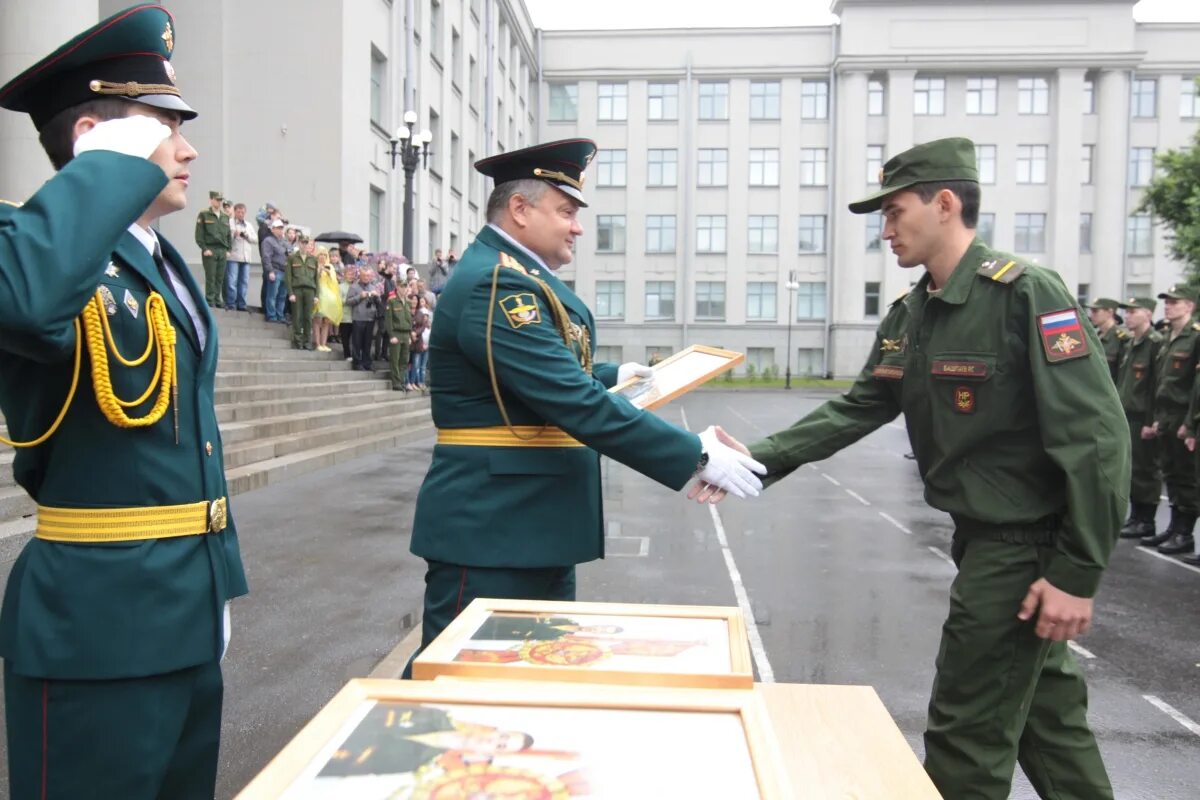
{"type": "Point", "coordinates": [660, 300]}
{"type": "Point", "coordinates": [812, 166]}
{"type": "Point", "coordinates": [664, 101]}
{"type": "Point", "coordinates": [1085, 232]}
{"type": "Point", "coordinates": [986, 228]}
{"type": "Point", "coordinates": [710, 233]}
{"type": "Point", "coordinates": [435, 29]}
{"type": "Point", "coordinates": [874, 163]}
{"type": "Point", "coordinates": [376, 214]}
{"type": "Point", "coordinates": [610, 168]}
{"type": "Point", "coordinates": [1089, 96]}
{"type": "Point", "coordinates": [1031, 163]}
{"type": "Point", "coordinates": [455, 166]}
{"type": "Point", "coordinates": [662, 168]}
{"type": "Point", "coordinates": [871, 299]}
{"type": "Point", "coordinates": [814, 100]}
{"type": "Point", "coordinates": [378, 70]}
{"type": "Point", "coordinates": [764, 100]}
{"type": "Point", "coordinates": [564, 101]}
{"type": "Point", "coordinates": [1140, 236]}
{"type": "Point", "coordinates": [1031, 233]}
{"type": "Point", "coordinates": [1089, 154]}
{"type": "Point", "coordinates": [981, 95]}
{"type": "Point", "coordinates": [874, 232]}
{"type": "Point", "coordinates": [763, 234]}
{"type": "Point", "coordinates": [714, 167]}
{"type": "Point", "coordinates": [810, 300]}
{"type": "Point", "coordinates": [472, 181]}
{"type": "Point", "coordinates": [760, 300]}
{"type": "Point", "coordinates": [612, 99]}
{"type": "Point", "coordinates": [455, 58]}
{"type": "Point", "coordinates": [435, 145]}
{"type": "Point", "coordinates": [875, 98]}
{"type": "Point", "coordinates": [764, 166]}
{"type": "Point", "coordinates": [1189, 99]}
{"type": "Point", "coordinates": [1082, 292]}
{"type": "Point", "coordinates": [710, 300]}
{"type": "Point", "coordinates": [610, 301]}
{"type": "Point", "coordinates": [1144, 101]}
{"type": "Point", "coordinates": [660, 233]}
{"type": "Point", "coordinates": [929, 96]}
{"type": "Point", "coordinates": [1141, 165]}
{"type": "Point", "coordinates": [761, 358]}
{"type": "Point", "coordinates": [809, 361]}
{"type": "Point", "coordinates": [714, 100]}
{"type": "Point", "coordinates": [609, 354]}
{"type": "Point", "coordinates": [812, 233]}
{"type": "Point", "coordinates": [473, 82]}
{"type": "Point", "coordinates": [1033, 96]}
{"type": "Point", "coordinates": [501, 43]}
{"type": "Point", "coordinates": [985, 162]}
{"type": "Point", "coordinates": [610, 233]}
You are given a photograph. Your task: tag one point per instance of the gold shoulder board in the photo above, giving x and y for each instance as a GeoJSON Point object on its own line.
{"type": "Point", "coordinates": [1001, 270]}
{"type": "Point", "coordinates": [508, 261]}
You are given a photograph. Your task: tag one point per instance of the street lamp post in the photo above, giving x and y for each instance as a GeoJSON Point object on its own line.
{"type": "Point", "coordinates": [412, 148]}
{"type": "Point", "coordinates": [792, 286]}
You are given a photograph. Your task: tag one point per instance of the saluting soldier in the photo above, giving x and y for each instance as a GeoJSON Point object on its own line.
{"type": "Point", "coordinates": [1136, 383]}
{"type": "Point", "coordinates": [1019, 436]}
{"type": "Point", "coordinates": [301, 276]}
{"type": "Point", "coordinates": [512, 501]}
{"type": "Point", "coordinates": [398, 321]}
{"type": "Point", "coordinates": [1177, 360]}
{"type": "Point", "coordinates": [115, 616]}
{"type": "Point", "coordinates": [214, 238]}
{"type": "Point", "coordinates": [1103, 314]}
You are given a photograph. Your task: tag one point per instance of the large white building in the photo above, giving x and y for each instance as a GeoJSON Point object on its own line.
{"type": "Point", "coordinates": [727, 156]}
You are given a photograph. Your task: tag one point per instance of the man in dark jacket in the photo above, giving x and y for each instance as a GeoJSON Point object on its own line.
{"type": "Point", "coordinates": [274, 259]}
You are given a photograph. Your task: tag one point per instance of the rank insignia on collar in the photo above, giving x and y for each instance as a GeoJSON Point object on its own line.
{"type": "Point", "coordinates": [131, 303]}
{"type": "Point", "coordinates": [964, 399]}
{"type": "Point", "coordinates": [891, 346]}
{"type": "Point", "coordinates": [112, 270]}
{"type": "Point", "coordinates": [1062, 335]}
{"type": "Point", "coordinates": [110, 302]}
{"type": "Point", "coordinates": [521, 310]}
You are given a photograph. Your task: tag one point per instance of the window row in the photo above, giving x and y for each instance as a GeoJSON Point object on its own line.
{"type": "Point", "coordinates": [762, 233]}
{"type": "Point", "coordinates": [761, 300]}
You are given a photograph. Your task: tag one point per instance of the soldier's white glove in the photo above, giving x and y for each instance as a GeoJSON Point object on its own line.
{"type": "Point", "coordinates": [137, 136]}
{"type": "Point", "coordinates": [728, 469]}
{"type": "Point", "coordinates": [632, 369]}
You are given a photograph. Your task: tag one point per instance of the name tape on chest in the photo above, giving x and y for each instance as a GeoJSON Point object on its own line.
{"type": "Point", "coordinates": [1062, 335]}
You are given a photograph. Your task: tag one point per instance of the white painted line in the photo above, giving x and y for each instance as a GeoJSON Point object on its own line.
{"type": "Point", "coordinates": [683, 414]}
{"type": "Point", "coordinates": [897, 426]}
{"type": "Point", "coordinates": [892, 520]}
{"type": "Point", "coordinates": [765, 673]}
{"type": "Point", "coordinates": [1172, 712]}
{"type": "Point", "coordinates": [1163, 497]}
{"type": "Point", "coordinates": [830, 478]}
{"type": "Point", "coordinates": [857, 497]}
{"type": "Point", "coordinates": [742, 417]}
{"type": "Point", "coordinates": [813, 467]}
{"type": "Point", "coordinates": [1081, 651]}
{"type": "Point", "coordinates": [943, 556]}
{"type": "Point", "coordinates": [1168, 559]}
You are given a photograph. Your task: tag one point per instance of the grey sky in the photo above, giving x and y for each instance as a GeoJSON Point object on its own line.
{"type": "Point", "coordinates": [577, 14]}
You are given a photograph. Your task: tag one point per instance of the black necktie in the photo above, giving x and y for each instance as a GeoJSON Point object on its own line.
{"type": "Point", "coordinates": [162, 268]}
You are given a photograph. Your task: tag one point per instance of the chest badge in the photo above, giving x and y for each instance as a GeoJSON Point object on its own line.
{"type": "Point", "coordinates": [131, 304]}
{"type": "Point", "coordinates": [112, 270]}
{"type": "Point", "coordinates": [110, 302]}
{"type": "Point", "coordinates": [891, 346]}
{"type": "Point", "coordinates": [964, 399]}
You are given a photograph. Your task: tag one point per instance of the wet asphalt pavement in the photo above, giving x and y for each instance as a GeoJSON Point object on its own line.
{"type": "Point", "coordinates": [844, 567]}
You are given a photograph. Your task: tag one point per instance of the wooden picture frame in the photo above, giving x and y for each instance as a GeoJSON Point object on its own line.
{"type": "Point", "coordinates": [659, 739]}
{"type": "Point", "coordinates": [703, 647]}
{"type": "Point", "coordinates": [678, 375]}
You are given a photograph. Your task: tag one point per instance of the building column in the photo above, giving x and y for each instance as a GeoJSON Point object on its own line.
{"type": "Point", "coordinates": [849, 154]}
{"type": "Point", "coordinates": [1067, 158]}
{"type": "Point", "coordinates": [896, 279]}
{"type": "Point", "coordinates": [29, 30]}
{"type": "Point", "coordinates": [1112, 160]}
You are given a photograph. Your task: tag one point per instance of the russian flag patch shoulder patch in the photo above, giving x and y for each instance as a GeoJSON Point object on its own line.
{"type": "Point", "coordinates": [1062, 335]}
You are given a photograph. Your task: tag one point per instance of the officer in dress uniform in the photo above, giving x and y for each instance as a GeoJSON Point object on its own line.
{"type": "Point", "coordinates": [115, 616]}
{"type": "Point", "coordinates": [1136, 383]}
{"type": "Point", "coordinates": [511, 502]}
{"type": "Point", "coordinates": [1103, 314]}
{"type": "Point", "coordinates": [1020, 437]}
{"type": "Point", "coordinates": [214, 238]}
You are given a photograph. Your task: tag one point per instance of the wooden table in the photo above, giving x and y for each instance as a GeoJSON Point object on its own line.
{"type": "Point", "coordinates": [840, 742]}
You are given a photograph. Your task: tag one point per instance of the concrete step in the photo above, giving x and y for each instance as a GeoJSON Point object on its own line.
{"type": "Point", "coordinates": [6, 467]}
{"type": "Point", "coordinates": [233, 380]}
{"type": "Point", "coordinates": [239, 432]}
{"type": "Point", "coordinates": [274, 391]}
{"type": "Point", "coordinates": [14, 533]}
{"type": "Point", "coordinates": [301, 362]}
{"type": "Point", "coordinates": [298, 404]}
{"type": "Point", "coordinates": [241, 352]}
{"type": "Point", "coordinates": [14, 502]}
{"type": "Point", "coordinates": [242, 454]}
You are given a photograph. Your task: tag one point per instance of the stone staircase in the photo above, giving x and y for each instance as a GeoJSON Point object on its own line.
{"type": "Point", "coordinates": [282, 412]}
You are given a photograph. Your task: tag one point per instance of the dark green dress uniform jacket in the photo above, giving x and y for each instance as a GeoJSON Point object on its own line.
{"type": "Point", "coordinates": [526, 506]}
{"type": "Point", "coordinates": [1113, 341]}
{"type": "Point", "coordinates": [1138, 376]}
{"type": "Point", "coordinates": [213, 232]}
{"type": "Point", "coordinates": [1002, 433]}
{"type": "Point", "coordinates": [1177, 362]}
{"type": "Point", "coordinates": [399, 318]}
{"type": "Point", "coordinates": [125, 609]}
{"type": "Point", "coordinates": [301, 272]}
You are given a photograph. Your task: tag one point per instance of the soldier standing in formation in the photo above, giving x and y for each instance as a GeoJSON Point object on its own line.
{"type": "Point", "coordinates": [1107, 322]}
{"type": "Point", "coordinates": [214, 238]}
{"type": "Point", "coordinates": [1136, 384]}
{"type": "Point", "coordinates": [301, 276]}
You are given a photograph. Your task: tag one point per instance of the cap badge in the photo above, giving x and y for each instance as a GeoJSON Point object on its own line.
{"type": "Point", "coordinates": [169, 38]}
{"type": "Point", "coordinates": [880, 177]}
{"type": "Point", "coordinates": [170, 70]}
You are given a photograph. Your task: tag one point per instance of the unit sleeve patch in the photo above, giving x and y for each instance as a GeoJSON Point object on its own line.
{"type": "Point", "coordinates": [521, 309]}
{"type": "Point", "coordinates": [1062, 335]}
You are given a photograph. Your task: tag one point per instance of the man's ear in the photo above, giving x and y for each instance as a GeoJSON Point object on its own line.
{"type": "Point", "coordinates": [518, 209]}
{"type": "Point", "coordinates": [948, 203]}
{"type": "Point", "coordinates": [82, 125]}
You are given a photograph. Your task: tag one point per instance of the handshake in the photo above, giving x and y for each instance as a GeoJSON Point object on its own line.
{"type": "Point", "coordinates": [726, 468]}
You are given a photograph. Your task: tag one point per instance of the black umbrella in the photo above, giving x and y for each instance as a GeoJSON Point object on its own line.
{"type": "Point", "coordinates": [341, 237]}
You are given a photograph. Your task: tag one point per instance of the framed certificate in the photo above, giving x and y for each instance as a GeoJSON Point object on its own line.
{"type": "Point", "coordinates": [678, 374]}
{"type": "Point", "coordinates": [453, 739]}
{"type": "Point", "coordinates": [632, 644]}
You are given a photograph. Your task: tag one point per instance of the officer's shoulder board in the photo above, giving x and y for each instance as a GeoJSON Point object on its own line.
{"type": "Point", "coordinates": [1196, 326]}
{"type": "Point", "coordinates": [1001, 270]}
{"type": "Point", "coordinates": [4, 202]}
{"type": "Point", "coordinates": [1122, 334]}
{"type": "Point", "coordinates": [900, 297]}
{"type": "Point", "coordinates": [511, 263]}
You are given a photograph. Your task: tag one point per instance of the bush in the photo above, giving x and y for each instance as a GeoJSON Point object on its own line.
{"type": "Point", "coordinates": [750, 372]}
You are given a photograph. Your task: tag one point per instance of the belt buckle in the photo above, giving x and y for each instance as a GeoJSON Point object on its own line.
{"type": "Point", "coordinates": [218, 515]}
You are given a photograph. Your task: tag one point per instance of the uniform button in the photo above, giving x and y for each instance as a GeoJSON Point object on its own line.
{"type": "Point", "coordinates": [208, 448]}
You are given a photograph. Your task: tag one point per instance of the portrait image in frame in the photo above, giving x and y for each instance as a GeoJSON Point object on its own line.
{"type": "Point", "coordinates": [636, 644]}
{"type": "Point", "coordinates": [678, 374]}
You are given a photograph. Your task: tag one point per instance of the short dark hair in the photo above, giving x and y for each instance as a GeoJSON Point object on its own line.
{"type": "Point", "coordinates": [239, 205]}
{"type": "Point", "coordinates": [966, 191]}
{"type": "Point", "coordinates": [58, 135]}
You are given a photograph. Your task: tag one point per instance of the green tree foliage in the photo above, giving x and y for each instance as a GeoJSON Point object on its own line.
{"type": "Point", "coordinates": [1173, 197]}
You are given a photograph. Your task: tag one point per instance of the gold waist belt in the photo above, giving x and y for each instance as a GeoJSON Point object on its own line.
{"type": "Point", "coordinates": [502, 436]}
{"type": "Point", "coordinates": [89, 525]}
